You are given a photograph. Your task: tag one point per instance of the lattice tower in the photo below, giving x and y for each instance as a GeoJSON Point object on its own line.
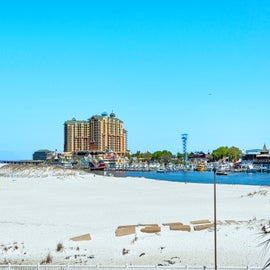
{"type": "Point", "coordinates": [184, 141]}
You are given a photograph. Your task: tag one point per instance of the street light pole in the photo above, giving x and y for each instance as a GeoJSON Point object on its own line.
{"type": "Point", "coordinates": [215, 218]}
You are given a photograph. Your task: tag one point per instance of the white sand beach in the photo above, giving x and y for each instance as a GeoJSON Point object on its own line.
{"type": "Point", "coordinates": [41, 208]}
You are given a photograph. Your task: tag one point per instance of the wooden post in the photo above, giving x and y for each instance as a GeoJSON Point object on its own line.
{"type": "Point", "coordinates": [215, 219]}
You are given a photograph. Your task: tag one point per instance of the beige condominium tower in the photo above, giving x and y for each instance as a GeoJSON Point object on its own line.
{"type": "Point", "coordinates": [100, 133]}
{"type": "Point", "coordinates": [76, 135]}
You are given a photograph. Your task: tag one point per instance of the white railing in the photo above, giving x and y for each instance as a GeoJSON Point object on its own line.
{"type": "Point", "coordinates": [119, 267]}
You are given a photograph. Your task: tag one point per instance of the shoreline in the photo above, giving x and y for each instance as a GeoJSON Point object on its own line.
{"type": "Point", "coordinates": [191, 176]}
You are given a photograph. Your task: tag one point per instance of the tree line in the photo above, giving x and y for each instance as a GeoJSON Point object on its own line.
{"type": "Point", "coordinates": [231, 153]}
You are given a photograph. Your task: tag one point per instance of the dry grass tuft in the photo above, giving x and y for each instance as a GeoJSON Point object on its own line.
{"type": "Point", "coordinates": [59, 247]}
{"type": "Point", "coordinates": [125, 251]}
{"type": "Point", "coordinates": [47, 260]}
{"type": "Point", "coordinates": [134, 239]}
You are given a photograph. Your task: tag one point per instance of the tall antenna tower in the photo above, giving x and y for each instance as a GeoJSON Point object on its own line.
{"type": "Point", "coordinates": [184, 141]}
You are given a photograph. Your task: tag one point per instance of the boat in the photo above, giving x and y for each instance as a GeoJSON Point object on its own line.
{"type": "Point", "coordinates": [221, 172]}
{"type": "Point", "coordinates": [200, 167]}
{"type": "Point", "coordinates": [161, 171]}
{"type": "Point", "coordinates": [251, 169]}
{"type": "Point", "coordinates": [97, 165]}
{"type": "Point", "coordinates": [263, 169]}
{"type": "Point", "coordinates": [222, 169]}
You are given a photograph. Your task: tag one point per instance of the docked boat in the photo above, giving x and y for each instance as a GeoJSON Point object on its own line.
{"type": "Point", "coordinates": [222, 169]}
{"type": "Point", "coordinates": [200, 167]}
{"type": "Point", "coordinates": [222, 172]}
{"type": "Point", "coordinates": [251, 169]}
{"type": "Point", "coordinates": [97, 165]}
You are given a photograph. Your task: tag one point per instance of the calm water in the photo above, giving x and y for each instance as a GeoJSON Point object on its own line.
{"type": "Point", "coordinates": [205, 177]}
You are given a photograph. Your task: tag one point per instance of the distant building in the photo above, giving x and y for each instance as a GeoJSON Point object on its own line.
{"type": "Point", "coordinates": [107, 133]}
{"type": "Point", "coordinates": [22, 162]}
{"type": "Point", "coordinates": [263, 159]}
{"type": "Point", "coordinates": [42, 154]}
{"type": "Point", "coordinates": [76, 135]}
{"type": "Point", "coordinates": [198, 155]}
{"type": "Point", "coordinates": [100, 133]}
{"type": "Point", "coordinates": [251, 154]}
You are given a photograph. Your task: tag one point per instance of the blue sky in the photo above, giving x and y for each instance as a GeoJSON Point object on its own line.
{"type": "Point", "coordinates": [164, 67]}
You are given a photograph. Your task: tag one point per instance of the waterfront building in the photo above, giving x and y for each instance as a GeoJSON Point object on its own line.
{"type": "Point", "coordinates": [251, 154]}
{"type": "Point", "coordinates": [22, 162]}
{"type": "Point", "coordinates": [42, 154]}
{"type": "Point", "coordinates": [198, 156]}
{"type": "Point", "coordinates": [76, 135]}
{"type": "Point", "coordinates": [107, 134]}
{"type": "Point", "coordinates": [263, 159]}
{"type": "Point", "coordinates": [101, 133]}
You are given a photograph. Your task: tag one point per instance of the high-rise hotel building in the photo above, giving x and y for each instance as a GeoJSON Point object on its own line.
{"type": "Point", "coordinates": [100, 133]}
{"type": "Point", "coordinates": [76, 135]}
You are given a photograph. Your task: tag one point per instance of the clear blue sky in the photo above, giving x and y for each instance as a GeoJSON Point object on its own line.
{"type": "Point", "coordinates": [164, 67]}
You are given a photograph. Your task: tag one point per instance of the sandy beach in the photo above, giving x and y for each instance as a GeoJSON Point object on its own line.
{"type": "Point", "coordinates": [45, 208]}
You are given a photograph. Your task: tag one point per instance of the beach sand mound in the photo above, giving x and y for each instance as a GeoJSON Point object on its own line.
{"type": "Point", "coordinates": [33, 171]}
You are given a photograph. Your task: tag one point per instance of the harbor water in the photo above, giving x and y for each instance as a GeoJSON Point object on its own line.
{"type": "Point", "coordinates": [235, 178]}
